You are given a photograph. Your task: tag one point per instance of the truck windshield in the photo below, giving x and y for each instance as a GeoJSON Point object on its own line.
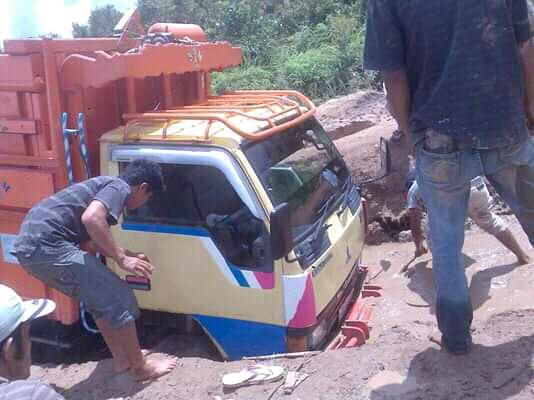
{"type": "Point", "coordinates": [301, 167]}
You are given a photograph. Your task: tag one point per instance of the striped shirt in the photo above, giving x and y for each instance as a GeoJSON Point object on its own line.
{"type": "Point", "coordinates": [27, 390]}
{"type": "Point", "coordinates": [58, 218]}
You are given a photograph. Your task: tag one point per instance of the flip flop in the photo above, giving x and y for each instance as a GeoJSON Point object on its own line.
{"type": "Point", "coordinates": [253, 376]}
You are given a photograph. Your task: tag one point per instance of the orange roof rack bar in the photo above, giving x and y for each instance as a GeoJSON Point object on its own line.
{"type": "Point", "coordinates": [289, 102]}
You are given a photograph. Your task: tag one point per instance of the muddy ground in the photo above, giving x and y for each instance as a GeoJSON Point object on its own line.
{"type": "Point", "coordinates": [398, 362]}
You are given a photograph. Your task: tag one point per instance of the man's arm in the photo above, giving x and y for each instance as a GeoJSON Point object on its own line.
{"type": "Point", "coordinates": [91, 247]}
{"type": "Point", "coordinates": [94, 219]}
{"type": "Point", "coordinates": [522, 13]}
{"type": "Point", "coordinates": [304, 215]}
{"type": "Point", "coordinates": [416, 216]}
{"type": "Point", "coordinates": [527, 55]}
{"type": "Point", "coordinates": [398, 97]}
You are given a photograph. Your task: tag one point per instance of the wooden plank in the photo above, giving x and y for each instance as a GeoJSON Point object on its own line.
{"type": "Point", "coordinates": [20, 68]}
{"type": "Point", "coordinates": [95, 71]}
{"type": "Point", "coordinates": [35, 86]}
{"type": "Point", "coordinates": [18, 126]}
{"type": "Point", "coordinates": [11, 218]}
{"type": "Point", "coordinates": [28, 161]}
{"type": "Point", "coordinates": [22, 188]}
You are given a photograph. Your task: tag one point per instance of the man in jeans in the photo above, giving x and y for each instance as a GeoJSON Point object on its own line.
{"type": "Point", "coordinates": [49, 248]}
{"type": "Point", "coordinates": [459, 77]}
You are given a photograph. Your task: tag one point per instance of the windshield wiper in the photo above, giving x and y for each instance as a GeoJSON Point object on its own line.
{"type": "Point", "coordinates": [317, 229]}
{"type": "Point", "coordinates": [346, 192]}
{"type": "Point", "coordinates": [321, 227]}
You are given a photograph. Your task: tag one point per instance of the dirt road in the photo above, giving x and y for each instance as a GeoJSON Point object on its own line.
{"type": "Point", "coordinates": [398, 363]}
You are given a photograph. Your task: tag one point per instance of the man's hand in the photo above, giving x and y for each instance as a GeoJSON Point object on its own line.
{"type": "Point", "coordinates": [530, 118]}
{"type": "Point", "coordinates": [136, 266]}
{"type": "Point", "coordinates": [141, 256]}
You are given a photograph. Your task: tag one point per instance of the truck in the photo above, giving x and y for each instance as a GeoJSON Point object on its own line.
{"type": "Point", "coordinates": [258, 235]}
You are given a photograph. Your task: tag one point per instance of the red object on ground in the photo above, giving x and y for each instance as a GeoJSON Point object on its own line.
{"type": "Point", "coordinates": [355, 330]}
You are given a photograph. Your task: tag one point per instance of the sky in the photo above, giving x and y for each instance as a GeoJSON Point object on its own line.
{"type": "Point", "coordinates": [25, 18]}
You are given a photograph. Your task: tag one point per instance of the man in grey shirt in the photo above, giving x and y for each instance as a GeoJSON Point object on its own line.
{"type": "Point", "coordinates": [15, 347]}
{"type": "Point", "coordinates": [49, 248]}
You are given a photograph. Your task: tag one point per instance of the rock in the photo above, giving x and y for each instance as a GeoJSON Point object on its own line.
{"type": "Point", "coordinates": [405, 237]}
{"type": "Point", "coordinates": [376, 235]}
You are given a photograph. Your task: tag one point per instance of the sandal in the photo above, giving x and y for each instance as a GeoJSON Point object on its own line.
{"type": "Point", "coordinates": [252, 376]}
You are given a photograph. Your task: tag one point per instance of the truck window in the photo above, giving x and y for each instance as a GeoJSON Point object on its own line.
{"type": "Point", "coordinates": [201, 196]}
{"type": "Point", "coordinates": [290, 167]}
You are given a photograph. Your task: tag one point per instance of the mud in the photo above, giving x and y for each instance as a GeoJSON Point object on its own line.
{"type": "Point", "coordinates": [399, 362]}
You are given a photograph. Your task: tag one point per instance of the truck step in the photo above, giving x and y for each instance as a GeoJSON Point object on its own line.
{"type": "Point", "coordinates": [355, 330]}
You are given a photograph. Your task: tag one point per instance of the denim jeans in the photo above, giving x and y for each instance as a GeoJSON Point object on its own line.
{"type": "Point", "coordinates": [444, 176]}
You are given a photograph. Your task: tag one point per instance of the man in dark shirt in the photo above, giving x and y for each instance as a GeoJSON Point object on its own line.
{"type": "Point", "coordinates": [460, 82]}
{"type": "Point", "coordinates": [48, 247]}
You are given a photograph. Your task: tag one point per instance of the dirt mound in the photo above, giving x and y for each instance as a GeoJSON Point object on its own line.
{"type": "Point", "coordinates": [350, 114]}
{"type": "Point", "coordinates": [356, 123]}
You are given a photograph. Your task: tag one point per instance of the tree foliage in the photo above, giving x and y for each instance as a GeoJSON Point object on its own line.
{"type": "Point", "coordinates": [101, 23]}
{"type": "Point", "coordinates": [313, 46]}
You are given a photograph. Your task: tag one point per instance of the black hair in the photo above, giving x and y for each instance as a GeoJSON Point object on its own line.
{"type": "Point", "coordinates": [144, 171]}
{"type": "Point", "coordinates": [17, 341]}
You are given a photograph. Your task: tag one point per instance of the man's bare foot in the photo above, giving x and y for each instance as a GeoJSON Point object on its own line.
{"type": "Point", "coordinates": [523, 260]}
{"type": "Point", "coordinates": [120, 366]}
{"type": "Point", "coordinates": [435, 338]}
{"type": "Point", "coordinates": [154, 366]}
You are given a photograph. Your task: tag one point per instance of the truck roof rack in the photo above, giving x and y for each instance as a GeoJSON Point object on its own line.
{"type": "Point", "coordinates": [268, 112]}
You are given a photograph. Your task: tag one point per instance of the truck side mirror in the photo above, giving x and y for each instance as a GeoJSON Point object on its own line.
{"type": "Point", "coordinates": [281, 238]}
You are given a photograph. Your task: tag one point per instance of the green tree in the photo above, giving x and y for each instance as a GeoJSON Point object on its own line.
{"type": "Point", "coordinates": [101, 23]}
{"type": "Point", "coordinates": [311, 45]}
{"type": "Point", "coordinates": [80, 30]}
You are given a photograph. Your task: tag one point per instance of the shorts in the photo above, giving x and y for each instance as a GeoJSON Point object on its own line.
{"type": "Point", "coordinates": [81, 275]}
{"type": "Point", "coordinates": [480, 209]}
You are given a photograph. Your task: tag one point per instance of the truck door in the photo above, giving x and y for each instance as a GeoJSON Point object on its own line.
{"type": "Point", "coordinates": [207, 238]}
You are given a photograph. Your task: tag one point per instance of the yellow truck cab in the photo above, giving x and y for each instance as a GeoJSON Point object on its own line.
{"type": "Point", "coordinates": [259, 232]}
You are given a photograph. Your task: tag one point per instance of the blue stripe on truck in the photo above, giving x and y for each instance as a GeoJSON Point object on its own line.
{"type": "Point", "coordinates": [157, 228]}
{"type": "Point", "coordinates": [239, 338]}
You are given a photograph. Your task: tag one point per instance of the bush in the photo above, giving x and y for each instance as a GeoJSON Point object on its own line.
{"type": "Point", "coordinates": [314, 46]}
{"type": "Point", "coordinates": [252, 77]}
{"type": "Point", "coordinates": [315, 72]}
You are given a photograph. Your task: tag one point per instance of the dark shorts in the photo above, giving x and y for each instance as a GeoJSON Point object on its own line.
{"type": "Point", "coordinates": [81, 275]}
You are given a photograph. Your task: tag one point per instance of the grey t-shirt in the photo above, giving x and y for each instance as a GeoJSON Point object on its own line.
{"type": "Point", "coordinates": [27, 390]}
{"type": "Point", "coordinates": [57, 219]}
